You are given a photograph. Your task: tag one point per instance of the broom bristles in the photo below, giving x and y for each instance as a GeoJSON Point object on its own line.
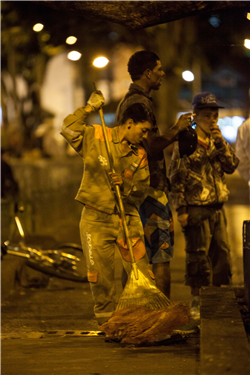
{"type": "Point", "coordinates": [140, 326]}
{"type": "Point", "coordinates": [142, 292]}
{"type": "Point", "coordinates": [154, 302]}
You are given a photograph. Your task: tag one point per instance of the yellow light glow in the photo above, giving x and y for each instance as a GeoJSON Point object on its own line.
{"type": "Point", "coordinates": [247, 43]}
{"type": "Point", "coordinates": [100, 62]}
{"type": "Point", "coordinates": [45, 37]}
{"type": "Point", "coordinates": [19, 226]}
{"type": "Point", "coordinates": [38, 27]}
{"type": "Point", "coordinates": [187, 76]}
{"type": "Point", "coordinates": [248, 16]}
{"type": "Point", "coordinates": [74, 55]}
{"type": "Point", "coordinates": [71, 40]}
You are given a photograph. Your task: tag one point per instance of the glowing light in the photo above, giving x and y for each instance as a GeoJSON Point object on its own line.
{"type": "Point", "coordinates": [248, 16]}
{"type": "Point", "coordinates": [38, 27]}
{"type": "Point", "coordinates": [187, 76]}
{"type": "Point", "coordinates": [100, 62]}
{"type": "Point", "coordinates": [237, 121]}
{"type": "Point", "coordinates": [247, 43]}
{"type": "Point", "coordinates": [229, 133]}
{"type": "Point", "coordinates": [45, 37]}
{"type": "Point", "coordinates": [71, 40]}
{"type": "Point", "coordinates": [214, 21]}
{"type": "Point", "coordinates": [19, 226]}
{"type": "Point", "coordinates": [229, 126]}
{"type": "Point", "coordinates": [74, 55]}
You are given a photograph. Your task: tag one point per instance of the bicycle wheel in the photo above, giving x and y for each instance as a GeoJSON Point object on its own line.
{"type": "Point", "coordinates": [59, 272]}
{"type": "Point", "coordinates": [72, 247]}
{"type": "Point", "coordinates": [66, 261]}
{"type": "Point", "coordinates": [74, 250]}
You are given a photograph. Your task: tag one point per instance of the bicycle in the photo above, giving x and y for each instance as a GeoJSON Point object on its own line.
{"type": "Point", "coordinates": [64, 260]}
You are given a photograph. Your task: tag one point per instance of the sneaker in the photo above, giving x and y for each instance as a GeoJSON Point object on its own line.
{"type": "Point", "coordinates": [187, 330]}
{"type": "Point", "coordinates": [195, 308]}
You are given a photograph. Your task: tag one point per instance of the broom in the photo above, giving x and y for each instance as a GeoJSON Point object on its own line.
{"type": "Point", "coordinates": [139, 290]}
{"type": "Point", "coordinates": [138, 325]}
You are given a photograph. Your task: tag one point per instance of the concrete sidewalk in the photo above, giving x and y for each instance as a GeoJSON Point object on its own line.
{"type": "Point", "coordinates": [224, 346]}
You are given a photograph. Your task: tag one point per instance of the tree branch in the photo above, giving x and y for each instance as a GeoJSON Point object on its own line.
{"type": "Point", "coordinates": [142, 14]}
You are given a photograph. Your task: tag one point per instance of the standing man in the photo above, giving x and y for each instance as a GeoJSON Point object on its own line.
{"type": "Point", "coordinates": [146, 72]}
{"type": "Point", "coordinates": [242, 148]}
{"type": "Point", "coordinates": [199, 191]}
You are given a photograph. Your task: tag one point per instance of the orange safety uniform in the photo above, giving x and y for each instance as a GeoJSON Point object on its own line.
{"type": "Point", "coordinates": [100, 225]}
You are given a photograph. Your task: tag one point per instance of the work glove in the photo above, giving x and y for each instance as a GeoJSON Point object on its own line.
{"type": "Point", "coordinates": [115, 178]}
{"type": "Point", "coordinates": [96, 100]}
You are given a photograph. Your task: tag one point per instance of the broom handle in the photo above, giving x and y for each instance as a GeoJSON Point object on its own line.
{"type": "Point", "coordinates": [118, 193]}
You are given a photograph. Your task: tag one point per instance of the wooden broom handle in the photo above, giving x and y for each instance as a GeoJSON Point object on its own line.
{"type": "Point", "coordinates": [118, 194]}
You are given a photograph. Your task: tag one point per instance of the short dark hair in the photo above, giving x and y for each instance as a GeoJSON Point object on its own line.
{"type": "Point", "coordinates": [138, 112]}
{"type": "Point", "coordinates": [139, 62]}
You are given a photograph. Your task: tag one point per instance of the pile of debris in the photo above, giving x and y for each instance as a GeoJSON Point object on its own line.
{"type": "Point", "coordinates": [141, 326]}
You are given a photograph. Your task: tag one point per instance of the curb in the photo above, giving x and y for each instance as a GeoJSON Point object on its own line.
{"type": "Point", "coordinates": [223, 340]}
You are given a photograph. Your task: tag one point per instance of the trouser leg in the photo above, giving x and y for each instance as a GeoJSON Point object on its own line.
{"type": "Point", "coordinates": [198, 265]}
{"type": "Point", "coordinates": [98, 234]}
{"type": "Point", "coordinates": [219, 251]}
{"type": "Point", "coordinates": [158, 226]}
{"type": "Point", "coordinates": [162, 277]}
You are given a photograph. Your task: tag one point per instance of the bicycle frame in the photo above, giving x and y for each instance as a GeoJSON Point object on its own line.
{"type": "Point", "coordinates": [53, 262]}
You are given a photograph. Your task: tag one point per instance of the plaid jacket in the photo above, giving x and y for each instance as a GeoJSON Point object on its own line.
{"type": "Point", "coordinates": [95, 189]}
{"type": "Point", "coordinates": [199, 179]}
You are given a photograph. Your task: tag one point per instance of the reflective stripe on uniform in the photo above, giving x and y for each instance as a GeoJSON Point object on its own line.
{"type": "Point", "coordinates": [103, 315]}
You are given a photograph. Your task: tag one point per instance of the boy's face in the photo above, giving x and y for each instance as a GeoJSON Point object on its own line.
{"type": "Point", "coordinates": [138, 132]}
{"type": "Point", "coordinates": [206, 118]}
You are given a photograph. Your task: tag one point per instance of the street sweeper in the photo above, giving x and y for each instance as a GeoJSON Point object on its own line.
{"type": "Point", "coordinates": [101, 224]}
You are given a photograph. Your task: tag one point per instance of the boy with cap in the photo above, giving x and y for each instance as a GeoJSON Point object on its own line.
{"type": "Point", "coordinates": [198, 192]}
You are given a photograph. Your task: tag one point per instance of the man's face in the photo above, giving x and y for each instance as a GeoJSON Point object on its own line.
{"type": "Point", "coordinates": [139, 131]}
{"type": "Point", "coordinates": [206, 118]}
{"type": "Point", "coordinates": [156, 76]}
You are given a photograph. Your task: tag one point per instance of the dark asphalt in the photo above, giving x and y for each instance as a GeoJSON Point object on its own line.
{"type": "Point", "coordinates": [44, 331]}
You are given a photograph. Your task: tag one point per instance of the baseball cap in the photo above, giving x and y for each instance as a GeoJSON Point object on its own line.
{"type": "Point", "coordinates": [205, 100]}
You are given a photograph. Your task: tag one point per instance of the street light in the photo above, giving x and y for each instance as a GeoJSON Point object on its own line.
{"type": "Point", "coordinates": [71, 40]}
{"type": "Point", "coordinates": [74, 55]}
{"type": "Point", "coordinates": [188, 76]}
{"type": "Point", "coordinates": [100, 62]}
{"type": "Point", "coordinates": [247, 43]}
{"type": "Point", "coordinates": [38, 27]}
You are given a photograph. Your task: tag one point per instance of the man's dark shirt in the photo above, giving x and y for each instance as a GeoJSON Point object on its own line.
{"type": "Point", "coordinates": [157, 167]}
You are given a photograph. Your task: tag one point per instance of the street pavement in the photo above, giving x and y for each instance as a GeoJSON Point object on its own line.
{"type": "Point", "coordinates": [52, 330]}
